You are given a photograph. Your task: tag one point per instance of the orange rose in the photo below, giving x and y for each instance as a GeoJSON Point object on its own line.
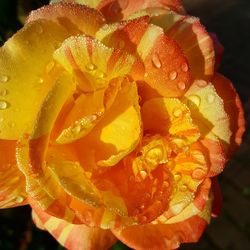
{"type": "Point", "coordinates": [113, 122]}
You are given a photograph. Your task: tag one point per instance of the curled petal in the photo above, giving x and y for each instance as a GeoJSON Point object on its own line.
{"type": "Point", "coordinates": [74, 17]}
{"type": "Point", "coordinates": [74, 237]}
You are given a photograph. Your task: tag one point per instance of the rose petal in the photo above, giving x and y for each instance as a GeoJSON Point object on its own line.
{"type": "Point", "coordinates": [233, 108]}
{"type": "Point", "coordinates": [219, 50]}
{"type": "Point", "coordinates": [208, 112]}
{"type": "Point", "coordinates": [12, 181]}
{"type": "Point", "coordinates": [172, 117]}
{"type": "Point", "coordinates": [71, 236]}
{"type": "Point", "coordinates": [74, 17]}
{"type": "Point", "coordinates": [162, 57]}
{"type": "Point", "coordinates": [20, 66]}
{"type": "Point", "coordinates": [118, 133]}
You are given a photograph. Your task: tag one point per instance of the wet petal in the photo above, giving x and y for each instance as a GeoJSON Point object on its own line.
{"type": "Point", "coordinates": [162, 57]}
{"type": "Point", "coordinates": [165, 236]}
{"type": "Point", "coordinates": [74, 17]}
{"type": "Point", "coordinates": [71, 236]}
{"type": "Point", "coordinates": [92, 63]}
{"type": "Point", "coordinates": [233, 108]}
{"type": "Point", "coordinates": [12, 181]}
{"type": "Point", "coordinates": [208, 113]}
{"type": "Point", "coordinates": [119, 132]}
{"type": "Point", "coordinates": [173, 118]}
{"type": "Point", "coordinates": [20, 66]}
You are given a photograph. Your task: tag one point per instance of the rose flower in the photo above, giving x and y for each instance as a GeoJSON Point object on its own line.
{"type": "Point", "coordinates": [114, 123]}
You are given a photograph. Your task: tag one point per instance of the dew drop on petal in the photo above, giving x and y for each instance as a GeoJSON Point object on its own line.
{"type": "Point", "coordinates": [201, 83]}
{"type": "Point", "coordinates": [143, 174]}
{"type": "Point", "coordinates": [177, 177]}
{"type": "Point", "coordinates": [19, 199]}
{"type": "Point", "coordinates": [3, 92]}
{"type": "Point", "coordinates": [177, 112]}
{"type": "Point", "coordinates": [156, 61]}
{"type": "Point", "coordinates": [4, 79]}
{"type": "Point", "coordinates": [172, 75]}
{"type": "Point", "coordinates": [183, 188]}
{"type": "Point", "coordinates": [3, 105]}
{"type": "Point", "coordinates": [90, 67]}
{"type": "Point", "coordinates": [181, 85]}
{"type": "Point", "coordinates": [184, 67]}
{"type": "Point", "coordinates": [198, 174]}
{"type": "Point", "coordinates": [210, 98]}
{"type": "Point", "coordinates": [194, 101]}
{"type": "Point", "coordinates": [165, 184]}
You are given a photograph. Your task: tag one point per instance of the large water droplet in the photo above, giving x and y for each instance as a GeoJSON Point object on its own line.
{"type": "Point", "coordinates": [19, 199]}
{"type": "Point", "coordinates": [3, 105]}
{"type": "Point", "coordinates": [181, 85]}
{"type": "Point", "coordinates": [198, 174]}
{"type": "Point", "coordinates": [210, 98]}
{"type": "Point", "coordinates": [156, 61]}
{"type": "Point", "coordinates": [201, 83]}
{"type": "Point", "coordinates": [90, 67]}
{"type": "Point", "coordinates": [3, 92]}
{"type": "Point", "coordinates": [143, 174]}
{"type": "Point", "coordinates": [184, 67]}
{"type": "Point", "coordinates": [177, 112]}
{"type": "Point", "coordinates": [4, 78]}
{"type": "Point", "coordinates": [172, 75]}
{"type": "Point", "coordinates": [194, 101]}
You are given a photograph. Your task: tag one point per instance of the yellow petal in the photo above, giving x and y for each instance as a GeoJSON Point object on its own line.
{"type": "Point", "coordinates": [23, 60]}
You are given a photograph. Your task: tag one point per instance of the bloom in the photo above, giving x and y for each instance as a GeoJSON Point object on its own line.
{"type": "Point", "coordinates": [114, 122]}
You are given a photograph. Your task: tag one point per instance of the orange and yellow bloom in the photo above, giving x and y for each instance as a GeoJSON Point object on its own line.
{"type": "Point", "coordinates": [114, 123]}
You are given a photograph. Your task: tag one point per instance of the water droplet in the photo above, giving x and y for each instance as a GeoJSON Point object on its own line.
{"type": "Point", "coordinates": [1, 119]}
{"type": "Point", "coordinates": [77, 129]}
{"type": "Point", "coordinates": [210, 98]}
{"type": "Point", "coordinates": [177, 177]}
{"type": "Point", "coordinates": [177, 112]}
{"type": "Point", "coordinates": [41, 80]}
{"type": "Point", "coordinates": [201, 83]}
{"type": "Point", "coordinates": [144, 219]}
{"type": "Point", "coordinates": [50, 66]}
{"type": "Point", "coordinates": [3, 92]}
{"type": "Point", "coordinates": [90, 67]}
{"type": "Point", "coordinates": [101, 74]}
{"type": "Point", "coordinates": [4, 79]}
{"type": "Point", "coordinates": [165, 184]}
{"type": "Point", "coordinates": [172, 75]}
{"type": "Point", "coordinates": [184, 67]}
{"type": "Point", "coordinates": [143, 174]}
{"type": "Point", "coordinates": [142, 206]}
{"type": "Point", "coordinates": [146, 74]}
{"type": "Point", "coordinates": [12, 124]}
{"type": "Point", "coordinates": [156, 61]}
{"type": "Point", "coordinates": [194, 101]}
{"type": "Point", "coordinates": [154, 156]}
{"type": "Point", "coordinates": [39, 29]}
{"type": "Point", "coordinates": [198, 174]}
{"type": "Point", "coordinates": [3, 105]}
{"type": "Point", "coordinates": [19, 199]}
{"type": "Point", "coordinates": [181, 85]}
{"type": "Point", "coordinates": [183, 188]}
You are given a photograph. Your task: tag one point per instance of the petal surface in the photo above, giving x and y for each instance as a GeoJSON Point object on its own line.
{"type": "Point", "coordinates": [75, 18]}
{"type": "Point", "coordinates": [19, 68]}
{"type": "Point", "coordinates": [71, 236]}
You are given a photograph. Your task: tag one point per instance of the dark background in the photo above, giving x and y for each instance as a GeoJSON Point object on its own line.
{"type": "Point", "coordinates": [230, 20]}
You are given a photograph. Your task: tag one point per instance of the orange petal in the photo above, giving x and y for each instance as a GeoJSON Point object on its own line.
{"type": "Point", "coordinates": [166, 68]}
{"type": "Point", "coordinates": [71, 236]}
{"type": "Point", "coordinates": [233, 108]}
{"type": "Point", "coordinates": [163, 237]}
{"type": "Point", "coordinates": [74, 17]}
{"type": "Point", "coordinates": [116, 10]}
{"type": "Point", "coordinates": [196, 44]}
{"type": "Point", "coordinates": [12, 181]}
